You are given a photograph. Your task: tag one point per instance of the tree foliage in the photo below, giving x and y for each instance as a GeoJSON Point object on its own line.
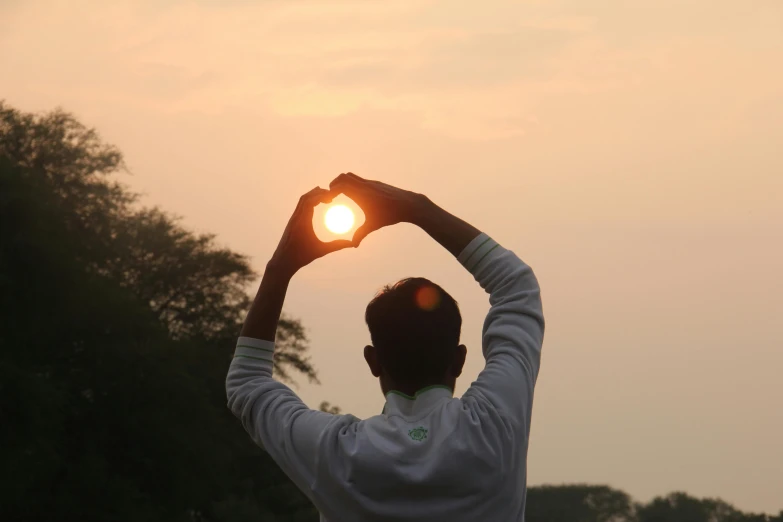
{"type": "Point", "coordinates": [327, 407]}
{"type": "Point", "coordinates": [196, 289]}
{"type": "Point", "coordinates": [116, 330]}
{"type": "Point", "coordinates": [681, 507]}
{"type": "Point", "coordinates": [579, 503]}
{"type": "Point", "coordinates": [590, 503]}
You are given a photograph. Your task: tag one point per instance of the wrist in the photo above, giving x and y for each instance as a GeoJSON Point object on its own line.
{"type": "Point", "coordinates": [451, 232]}
{"type": "Point", "coordinates": [279, 270]}
{"type": "Point", "coordinates": [421, 209]}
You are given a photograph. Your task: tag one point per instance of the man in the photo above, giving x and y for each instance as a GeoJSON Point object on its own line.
{"type": "Point", "coordinates": [428, 457]}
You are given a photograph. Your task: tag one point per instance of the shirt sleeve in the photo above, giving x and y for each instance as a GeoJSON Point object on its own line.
{"type": "Point", "coordinates": [272, 414]}
{"type": "Point", "coordinates": [513, 331]}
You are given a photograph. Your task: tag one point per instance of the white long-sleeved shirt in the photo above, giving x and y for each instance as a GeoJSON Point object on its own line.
{"type": "Point", "coordinates": [427, 458]}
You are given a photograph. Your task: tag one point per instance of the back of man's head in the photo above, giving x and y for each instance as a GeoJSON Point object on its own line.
{"type": "Point", "coordinates": [415, 328]}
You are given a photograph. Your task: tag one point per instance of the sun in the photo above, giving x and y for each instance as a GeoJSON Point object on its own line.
{"type": "Point", "coordinates": [339, 219]}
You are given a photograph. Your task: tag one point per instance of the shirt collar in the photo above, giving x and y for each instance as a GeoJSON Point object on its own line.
{"type": "Point", "coordinates": [402, 404]}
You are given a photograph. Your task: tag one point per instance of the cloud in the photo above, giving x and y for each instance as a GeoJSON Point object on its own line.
{"type": "Point", "coordinates": [467, 72]}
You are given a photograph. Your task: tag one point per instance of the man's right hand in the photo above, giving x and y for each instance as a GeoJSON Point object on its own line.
{"type": "Point", "coordinates": [383, 204]}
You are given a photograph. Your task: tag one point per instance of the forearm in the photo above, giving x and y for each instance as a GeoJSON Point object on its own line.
{"type": "Point", "coordinates": [513, 329]}
{"type": "Point", "coordinates": [264, 314]}
{"type": "Point", "coordinates": [450, 231]}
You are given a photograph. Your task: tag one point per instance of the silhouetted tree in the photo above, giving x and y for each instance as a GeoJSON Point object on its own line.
{"type": "Point", "coordinates": [681, 507]}
{"type": "Point", "coordinates": [328, 408]}
{"type": "Point", "coordinates": [116, 331]}
{"type": "Point", "coordinates": [196, 289]}
{"type": "Point", "coordinates": [578, 503]}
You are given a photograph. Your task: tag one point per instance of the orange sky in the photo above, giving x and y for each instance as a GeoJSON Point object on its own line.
{"type": "Point", "coordinates": [631, 152]}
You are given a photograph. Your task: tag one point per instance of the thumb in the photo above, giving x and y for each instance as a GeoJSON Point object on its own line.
{"type": "Point", "coordinates": [360, 234]}
{"type": "Point", "coordinates": [338, 244]}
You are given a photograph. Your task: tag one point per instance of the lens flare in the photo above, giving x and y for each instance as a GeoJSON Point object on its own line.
{"type": "Point", "coordinates": [339, 219]}
{"type": "Point", "coordinates": [427, 298]}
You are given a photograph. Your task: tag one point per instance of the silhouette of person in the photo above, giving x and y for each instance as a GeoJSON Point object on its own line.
{"type": "Point", "coordinates": [428, 456]}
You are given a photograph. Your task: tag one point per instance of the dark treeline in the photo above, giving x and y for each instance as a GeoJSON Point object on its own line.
{"type": "Point", "coordinates": [117, 326]}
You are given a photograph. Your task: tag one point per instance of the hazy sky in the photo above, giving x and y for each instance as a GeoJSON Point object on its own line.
{"type": "Point", "coordinates": [630, 152]}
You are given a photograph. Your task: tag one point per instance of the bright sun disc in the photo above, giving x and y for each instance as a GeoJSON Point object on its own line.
{"type": "Point", "coordinates": [339, 219]}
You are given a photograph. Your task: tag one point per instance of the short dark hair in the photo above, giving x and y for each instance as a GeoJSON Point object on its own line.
{"type": "Point", "coordinates": [415, 326]}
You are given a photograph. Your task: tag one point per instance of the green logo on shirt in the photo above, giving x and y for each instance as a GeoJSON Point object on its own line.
{"type": "Point", "coordinates": [418, 434]}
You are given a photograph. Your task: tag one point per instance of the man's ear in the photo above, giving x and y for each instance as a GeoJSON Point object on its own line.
{"type": "Point", "coordinates": [459, 360]}
{"type": "Point", "coordinates": [371, 356]}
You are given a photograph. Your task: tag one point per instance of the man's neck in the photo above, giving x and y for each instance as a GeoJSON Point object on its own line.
{"type": "Point", "coordinates": [411, 390]}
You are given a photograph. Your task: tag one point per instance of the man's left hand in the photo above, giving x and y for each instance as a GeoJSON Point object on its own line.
{"type": "Point", "coordinates": [299, 245]}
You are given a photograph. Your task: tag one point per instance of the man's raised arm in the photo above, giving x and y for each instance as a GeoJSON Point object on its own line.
{"type": "Point", "coordinates": [513, 331]}
{"type": "Point", "coordinates": [272, 414]}
{"type": "Point", "coordinates": [514, 327]}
